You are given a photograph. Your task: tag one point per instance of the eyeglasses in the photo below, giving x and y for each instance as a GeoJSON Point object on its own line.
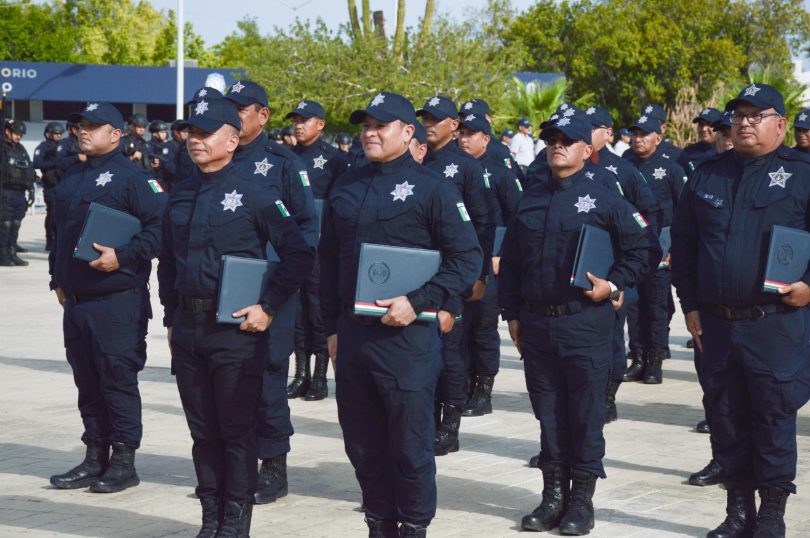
{"type": "Point", "coordinates": [753, 119]}
{"type": "Point", "coordinates": [559, 139]}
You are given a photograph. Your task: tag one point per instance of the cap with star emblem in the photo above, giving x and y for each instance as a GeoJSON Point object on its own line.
{"type": "Point", "coordinates": [708, 114]}
{"type": "Point", "coordinates": [206, 92]}
{"type": "Point", "coordinates": [419, 133]}
{"type": "Point", "coordinates": [307, 109]}
{"type": "Point", "coordinates": [477, 124]}
{"type": "Point", "coordinates": [802, 120]}
{"type": "Point", "coordinates": [479, 107]}
{"type": "Point", "coordinates": [211, 114]}
{"type": "Point", "coordinates": [245, 92]}
{"type": "Point", "coordinates": [647, 124]}
{"type": "Point", "coordinates": [723, 122]}
{"type": "Point", "coordinates": [654, 110]}
{"type": "Point", "coordinates": [523, 122]}
{"type": "Point", "coordinates": [565, 110]}
{"type": "Point", "coordinates": [598, 116]}
{"type": "Point", "coordinates": [386, 107]}
{"type": "Point", "coordinates": [574, 127]}
{"type": "Point", "coordinates": [440, 107]}
{"type": "Point", "coordinates": [761, 96]}
{"type": "Point", "coordinates": [99, 114]}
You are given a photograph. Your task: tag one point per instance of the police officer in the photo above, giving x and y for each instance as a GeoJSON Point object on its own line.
{"type": "Point", "coordinates": [440, 118]}
{"type": "Point", "coordinates": [45, 156]}
{"type": "Point", "coordinates": [344, 142]}
{"type": "Point", "coordinates": [649, 329]}
{"type": "Point", "coordinates": [657, 112]}
{"type": "Point", "coordinates": [418, 145]}
{"type": "Point", "coordinates": [133, 144]}
{"type": "Point", "coordinates": [161, 157]}
{"type": "Point", "coordinates": [272, 165]}
{"type": "Point", "coordinates": [564, 333]}
{"type": "Point", "coordinates": [499, 153]}
{"type": "Point", "coordinates": [754, 343]}
{"type": "Point", "coordinates": [324, 164]}
{"type": "Point", "coordinates": [68, 151]}
{"type": "Point", "coordinates": [106, 302]}
{"type": "Point", "coordinates": [480, 339]}
{"type": "Point", "coordinates": [387, 367]}
{"type": "Point", "coordinates": [17, 176]}
{"type": "Point", "coordinates": [694, 154]}
{"type": "Point", "coordinates": [801, 131]}
{"type": "Point", "coordinates": [632, 185]}
{"type": "Point", "coordinates": [220, 211]}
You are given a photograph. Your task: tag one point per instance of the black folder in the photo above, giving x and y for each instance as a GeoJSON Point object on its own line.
{"type": "Point", "coordinates": [666, 243]}
{"type": "Point", "coordinates": [500, 232]}
{"type": "Point", "coordinates": [594, 255]}
{"type": "Point", "coordinates": [241, 283]}
{"type": "Point", "coordinates": [108, 227]}
{"type": "Point", "coordinates": [385, 272]}
{"type": "Point", "coordinates": [788, 256]}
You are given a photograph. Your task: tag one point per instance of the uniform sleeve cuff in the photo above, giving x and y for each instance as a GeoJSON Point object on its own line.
{"type": "Point", "coordinates": [418, 300]}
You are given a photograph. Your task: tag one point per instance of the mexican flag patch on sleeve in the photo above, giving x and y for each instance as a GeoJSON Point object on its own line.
{"type": "Point", "coordinates": [154, 184]}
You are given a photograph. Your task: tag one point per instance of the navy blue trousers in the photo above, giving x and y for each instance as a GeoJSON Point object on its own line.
{"type": "Point", "coordinates": [754, 376]}
{"type": "Point", "coordinates": [481, 342]}
{"type": "Point", "coordinates": [309, 335]}
{"type": "Point", "coordinates": [273, 425]}
{"type": "Point", "coordinates": [386, 378]}
{"type": "Point", "coordinates": [105, 342]}
{"type": "Point", "coordinates": [567, 361]}
{"type": "Point", "coordinates": [619, 349]}
{"type": "Point", "coordinates": [454, 377]}
{"type": "Point", "coordinates": [13, 210]}
{"type": "Point", "coordinates": [653, 311]}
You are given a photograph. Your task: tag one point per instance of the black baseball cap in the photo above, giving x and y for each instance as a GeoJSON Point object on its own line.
{"type": "Point", "coordinates": [574, 127]}
{"type": "Point", "coordinates": [477, 123]}
{"type": "Point", "coordinates": [647, 124]}
{"type": "Point", "coordinates": [599, 116]}
{"type": "Point", "coordinates": [479, 107]}
{"type": "Point", "coordinates": [245, 92]}
{"type": "Point", "coordinates": [307, 109]}
{"type": "Point", "coordinates": [211, 114]}
{"type": "Point", "coordinates": [440, 107]}
{"type": "Point", "coordinates": [387, 107]}
{"type": "Point", "coordinates": [708, 114]}
{"type": "Point", "coordinates": [419, 133]}
{"type": "Point", "coordinates": [99, 114]}
{"type": "Point", "coordinates": [761, 96]}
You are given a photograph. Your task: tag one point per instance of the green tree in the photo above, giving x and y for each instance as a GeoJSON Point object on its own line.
{"type": "Point", "coordinates": [35, 33]}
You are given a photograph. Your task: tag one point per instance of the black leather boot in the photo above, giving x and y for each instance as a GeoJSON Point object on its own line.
{"type": "Point", "coordinates": [236, 520]}
{"type": "Point", "coordinates": [437, 414]}
{"type": "Point", "coordinates": [272, 483]}
{"type": "Point", "coordinates": [300, 384]}
{"type": "Point", "coordinates": [410, 530]}
{"type": "Point", "coordinates": [318, 389]}
{"type": "Point", "coordinates": [652, 373]}
{"type": "Point", "coordinates": [447, 435]}
{"type": "Point", "coordinates": [635, 372]}
{"type": "Point", "coordinates": [534, 461]}
{"type": "Point", "coordinates": [703, 427]}
{"type": "Point", "coordinates": [480, 402]}
{"type": "Point", "coordinates": [771, 515]}
{"type": "Point", "coordinates": [211, 517]}
{"type": "Point", "coordinates": [5, 257]}
{"type": "Point", "coordinates": [578, 518]}
{"type": "Point", "coordinates": [21, 250]}
{"type": "Point", "coordinates": [611, 414]}
{"type": "Point", "coordinates": [120, 474]}
{"type": "Point", "coordinates": [708, 476]}
{"type": "Point", "coordinates": [87, 472]}
{"type": "Point", "coordinates": [556, 488]}
{"type": "Point", "coordinates": [741, 513]}
{"type": "Point", "coordinates": [382, 528]}
{"type": "Point", "coordinates": [15, 231]}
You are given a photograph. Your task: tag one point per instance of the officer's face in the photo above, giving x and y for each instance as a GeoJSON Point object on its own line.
{"type": "Point", "coordinates": [473, 142]}
{"type": "Point", "coordinates": [344, 148]}
{"type": "Point", "coordinates": [760, 138]}
{"type": "Point", "coordinates": [56, 137]}
{"type": "Point", "coordinates": [802, 137]}
{"type": "Point", "coordinates": [97, 139]}
{"type": "Point", "coordinates": [13, 137]}
{"type": "Point", "coordinates": [438, 131]}
{"type": "Point", "coordinates": [383, 142]}
{"type": "Point", "coordinates": [644, 144]}
{"type": "Point", "coordinates": [139, 130]}
{"type": "Point", "coordinates": [705, 132]}
{"type": "Point", "coordinates": [253, 117]}
{"type": "Point", "coordinates": [722, 141]}
{"type": "Point", "coordinates": [600, 136]}
{"type": "Point", "coordinates": [566, 156]}
{"type": "Point", "coordinates": [212, 151]}
{"type": "Point", "coordinates": [307, 129]}
{"type": "Point", "coordinates": [180, 135]}
{"type": "Point", "coordinates": [160, 135]}
{"type": "Point", "coordinates": [418, 150]}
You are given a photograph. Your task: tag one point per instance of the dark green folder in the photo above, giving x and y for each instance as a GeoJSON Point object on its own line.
{"type": "Point", "coordinates": [594, 255]}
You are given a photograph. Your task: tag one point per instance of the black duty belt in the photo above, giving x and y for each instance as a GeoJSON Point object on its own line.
{"type": "Point", "coordinates": [83, 298]}
{"type": "Point", "coordinates": [198, 305]}
{"type": "Point", "coordinates": [736, 313]}
{"type": "Point", "coordinates": [553, 310]}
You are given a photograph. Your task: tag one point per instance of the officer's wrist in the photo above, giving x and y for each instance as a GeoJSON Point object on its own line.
{"type": "Point", "coordinates": [417, 300]}
{"type": "Point", "coordinates": [267, 309]}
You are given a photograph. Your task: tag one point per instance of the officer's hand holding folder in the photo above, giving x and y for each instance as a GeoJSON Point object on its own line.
{"type": "Point", "coordinates": [385, 272]}
{"type": "Point", "coordinates": [107, 227]}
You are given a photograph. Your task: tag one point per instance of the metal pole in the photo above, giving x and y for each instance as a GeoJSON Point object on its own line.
{"type": "Point", "coordinates": [181, 61]}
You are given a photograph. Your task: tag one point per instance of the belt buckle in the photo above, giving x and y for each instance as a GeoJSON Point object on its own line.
{"type": "Point", "coordinates": [759, 313]}
{"type": "Point", "coordinates": [196, 305]}
{"type": "Point", "coordinates": [553, 311]}
{"type": "Point", "coordinates": [728, 313]}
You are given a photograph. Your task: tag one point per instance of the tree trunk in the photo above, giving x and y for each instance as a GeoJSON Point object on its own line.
{"type": "Point", "coordinates": [379, 24]}
{"type": "Point", "coordinates": [427, 24]}
{"type": "Point", "coordinates": [355, 22]}
{"type": "Point", "coordinates": [366, 15]}
{"type": "Point", "coordinates": [399, 33]}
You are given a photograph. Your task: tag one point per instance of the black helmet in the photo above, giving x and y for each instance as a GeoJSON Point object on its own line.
{"type": "Point", "coordinates": [15, 126]}
{"type": "Point", "coordinates": [287, 131]}
{"type": "Point", "coordinates": [343, 138]}
{"type": "Point", "coordinates": [275, 134]}
{"type": "Point", "coordinates": [158, 125]}
{"type": "Point", "coordinates": [139, 120]}
{"type": "Point", "coordinates": [176, 125]}
{"type": "Point", "coordinates": [54, 127]}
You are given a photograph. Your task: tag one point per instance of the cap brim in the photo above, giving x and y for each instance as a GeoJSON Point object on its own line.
{"type": "Point", "coordinates": [204, 124]}
{"type": "Point", "coordinates": [92, 117]}
{"type": "Point", "coordinates": [473, 128]}
{"type": "Point", "coordinates": [645, 129]}
{"type": "Point", "coordinates": [435, 112]}
{"type": "Point", "coordinates": [243, 100]}
{"type": "Point", "coordinates": [567, 133]}
{"type": "Point", "coordinates": [752, 100]}
{"type": "Point", "coordinates": [303, 114]}
{"type": "Point", "coordinates": [802, 125]}
{"type": "Point", "coordinates": [359, 115]}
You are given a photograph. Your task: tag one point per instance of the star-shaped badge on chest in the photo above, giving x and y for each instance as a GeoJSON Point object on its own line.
{"type": "Point", "coordinates": [585, 204]}
{"type": "Point", "coordinates": [665, 156]}
{"type": "Point", "coordinates": [751, 90]}
{"type": "Point", "coordinates": [231, 201]}
{"type": "Point", "coordinates": [659, 173]}
{"type": "Point", "coordinates": [318, 162]}
{"type": "Point", "coordinates": [91, 107]}
{"type": "Point", "coordinates": [451, 170]}
{"type": "Point", "coordinates": [201, 108]}
{"type": "Point", "coordinates": [402, 191]}
{"type": "Point", "coordinates": [262, 167]}
{"type": "Point", "coordinates": [589, 175]}
{"type": "Point", "coordinates": [434, 101]}
{"type": "Point", "coordinates": [104, 178]}
{"type": "Point", "coordinates": [238, 87]}
{"type": "Point", "coordinates": [779, 178]}
{"type": "Point", "coordinates": [612, 168]}
{"type": "Point", "coordinates": [378, 100]}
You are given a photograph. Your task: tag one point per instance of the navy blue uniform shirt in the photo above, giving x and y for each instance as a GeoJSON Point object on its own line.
{"type": "Point", "coordinates": [398, 203]}
{"type": "Point", "coordinates": [633, 186]}
{"type": "Point", "coordinates": [666, 179]}
{"type": "Point", "coordinates": [324, 164]}
{"type": "Point", "coordinates": [541, 243]}
{"type": "Point", "coordinates": [505, 185]}
{"type": "Point", "coordinates": [723, 223]}
{"type": "Point", "coordinates": [271, 164]}
{"type": "Point", "coordinates": [45, 155]}
{"type": "Point", "coordinates": [694, 154]}
{"type": "Point", "coordinates": [211, 215]}
{"type": "Point", "coordinates": [114, 181]}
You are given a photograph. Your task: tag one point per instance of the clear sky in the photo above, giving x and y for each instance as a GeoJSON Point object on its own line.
{"type": "Point", "coordinates": [215, 19]}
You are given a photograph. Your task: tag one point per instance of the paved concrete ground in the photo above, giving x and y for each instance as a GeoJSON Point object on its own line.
{"type": "Point", "coordinates": [483, 490]}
